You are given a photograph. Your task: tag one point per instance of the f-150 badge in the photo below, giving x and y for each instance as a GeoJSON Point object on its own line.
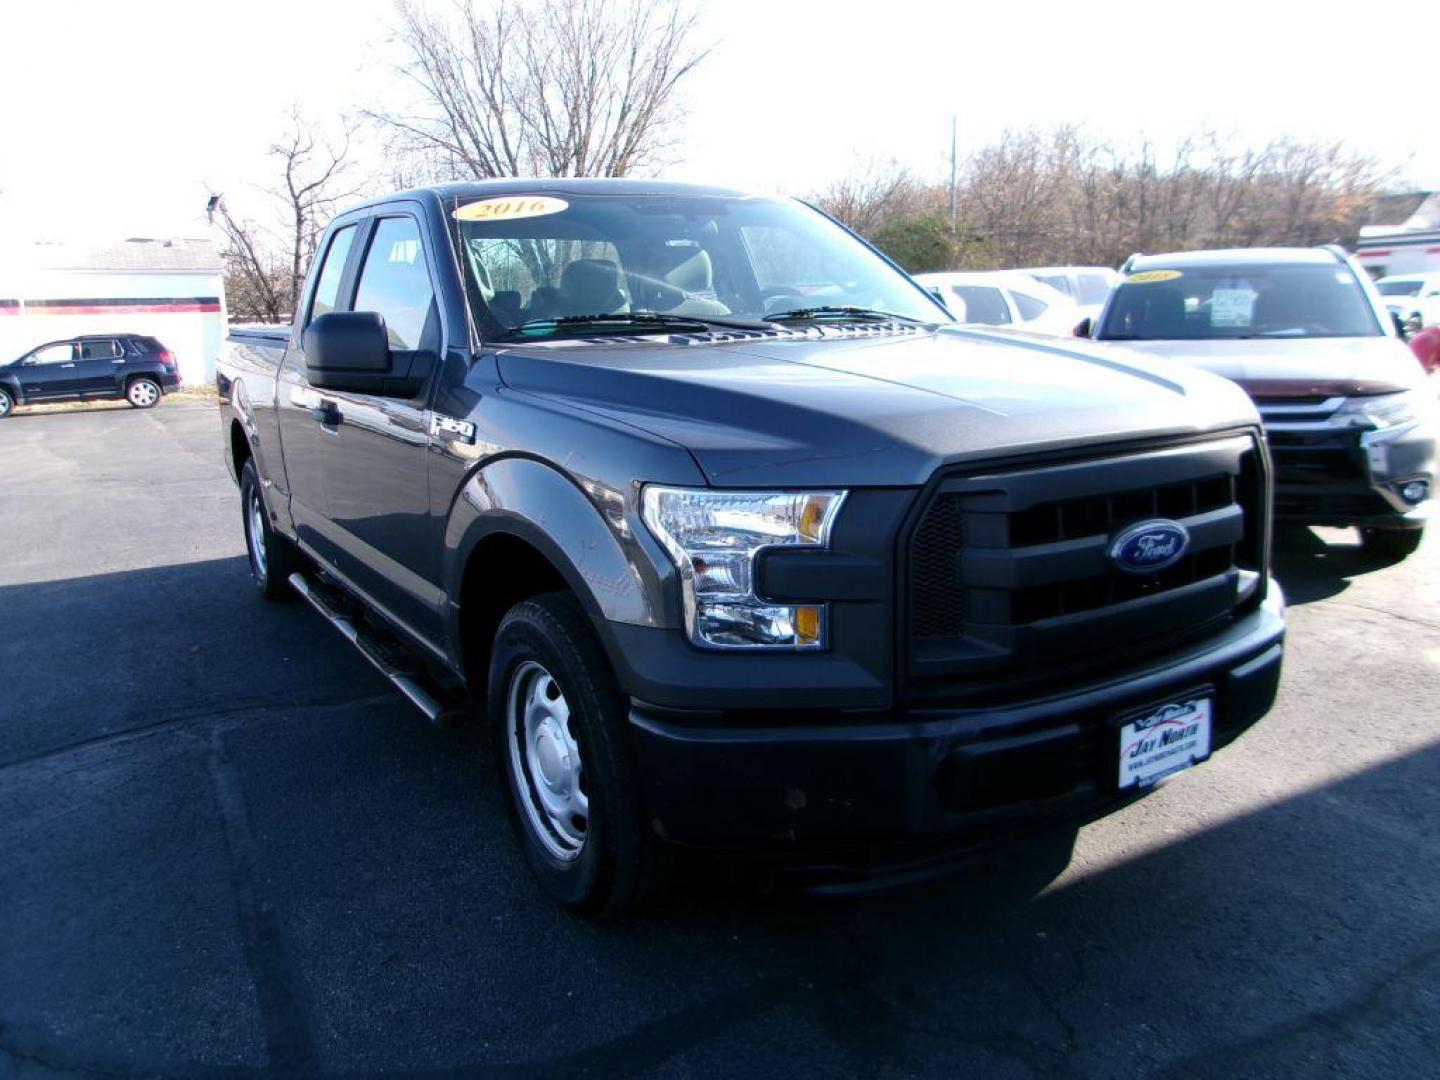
{"type": "Point", "coordinates": [450, 429]}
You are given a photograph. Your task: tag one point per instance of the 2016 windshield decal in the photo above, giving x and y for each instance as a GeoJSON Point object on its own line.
{"type": "Point", "coordinates": [510, 208]}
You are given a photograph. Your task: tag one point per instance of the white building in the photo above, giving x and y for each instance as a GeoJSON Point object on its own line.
{"type": "Point", "coordinates": [1403, 236]}
{"type": "Point", "coordinates": [169, 289]}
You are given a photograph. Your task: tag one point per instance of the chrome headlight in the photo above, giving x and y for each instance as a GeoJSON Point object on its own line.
{"type": "Point", "coordinates": [1384, 410]}
{"type": "Point", "coordinates": [714, 538]}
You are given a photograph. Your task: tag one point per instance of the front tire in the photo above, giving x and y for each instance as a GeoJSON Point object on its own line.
{"type": "Point", "coordinates": [271, 558]}
{"type": "Point", "coordinates": [142, 392]}
{"type": "Point", "coordinates": [1391, 544]}
{"type": "Point", "coordinates": [565, 758]}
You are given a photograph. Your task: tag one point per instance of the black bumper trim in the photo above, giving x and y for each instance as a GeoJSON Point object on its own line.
{"type": "Point", "coordinates": [912, 776]}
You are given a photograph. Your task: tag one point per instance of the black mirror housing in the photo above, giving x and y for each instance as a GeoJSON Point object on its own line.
{"type": "Point", "coordinates": [1083, 327]}
{"type": "Point", "coordinates": [350, 350]}
{"type": "Point", "coordinates": [347, 341]}
{"type": "Point", "coordinates": [1400, 327]}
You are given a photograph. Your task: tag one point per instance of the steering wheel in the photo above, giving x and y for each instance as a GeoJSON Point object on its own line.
{"type": "Point", "coordinates": [780, 292]}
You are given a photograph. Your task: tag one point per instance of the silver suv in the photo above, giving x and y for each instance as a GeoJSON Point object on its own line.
{"type": "Point", "coordinates": [1350, 422]}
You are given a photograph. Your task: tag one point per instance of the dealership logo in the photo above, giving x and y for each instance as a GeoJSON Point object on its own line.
{"type": "Point", "coordinates": [1149, 546]}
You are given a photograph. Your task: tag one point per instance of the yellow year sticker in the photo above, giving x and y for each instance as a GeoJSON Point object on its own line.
{"type": "Point", "coordinates": [510, 207]}
{"type": "Point", "coordinates": [1149, 277]}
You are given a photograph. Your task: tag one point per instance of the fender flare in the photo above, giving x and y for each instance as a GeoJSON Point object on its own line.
{"type": "Point", "coordinates": [616, 575]}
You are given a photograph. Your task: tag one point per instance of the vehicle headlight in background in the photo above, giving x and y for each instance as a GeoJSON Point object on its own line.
{"type": "Point", "coordinates": [1384, 410]}
{"type": "Point", "coordinates": [714, 537]}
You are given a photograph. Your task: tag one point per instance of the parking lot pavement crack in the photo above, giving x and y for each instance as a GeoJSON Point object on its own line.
{"type": "Point", "coordinates": [187, 720]}
{"type": "Point", "coordinates": [284, 1017]}
{"type": "Point", "coordinates": [1427, 623]}
{"type": "Point", "coordinates": [1307, 1038]}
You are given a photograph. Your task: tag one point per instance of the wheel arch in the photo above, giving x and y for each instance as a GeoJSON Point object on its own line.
{"type": "Point", "coordinates": [502, 546]}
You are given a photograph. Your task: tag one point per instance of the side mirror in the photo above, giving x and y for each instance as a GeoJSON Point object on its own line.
{"type": "Point", "coordinates": [1400, 326]}
{"type": "Point", "coordinates": [350, 350]}
{"type": "Point", "coordinates": [1084, 327]}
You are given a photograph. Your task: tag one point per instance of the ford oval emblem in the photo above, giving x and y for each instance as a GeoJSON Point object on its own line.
{"type": "Point", "coordinates": [1149, 546]}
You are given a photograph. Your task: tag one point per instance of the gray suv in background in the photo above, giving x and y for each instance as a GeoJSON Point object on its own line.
{"type": "Point", "coordinates": [1350, 422]}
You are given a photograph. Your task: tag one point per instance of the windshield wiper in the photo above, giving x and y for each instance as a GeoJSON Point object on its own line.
{"type": "Point", "coordinates": [693, 324]}
{"type": "Point", "coordinates": [829, 311]}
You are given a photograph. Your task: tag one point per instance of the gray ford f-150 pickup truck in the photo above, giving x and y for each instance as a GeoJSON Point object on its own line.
{"type": "Point", "coordinates": [695, 498]}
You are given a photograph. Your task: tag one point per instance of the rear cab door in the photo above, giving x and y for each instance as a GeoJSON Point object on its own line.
{"type": "Point", "coordinates": [100, 366]}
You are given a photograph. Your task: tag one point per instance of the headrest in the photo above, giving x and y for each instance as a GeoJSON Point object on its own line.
{"type": "Point", "coordinates": [587, 282]}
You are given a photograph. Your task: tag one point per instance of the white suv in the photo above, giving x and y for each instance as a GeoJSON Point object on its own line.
{"type": "Point", "coordinates": [1088, 286]}
{"type": "Point", "coordinates": [1413, 298]}
{"type": "Point", "coordinates": [1003, 298]}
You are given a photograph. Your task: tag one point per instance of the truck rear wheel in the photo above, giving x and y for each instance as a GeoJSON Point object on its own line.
{"type": "Point", "coordinates": [565, 759]}
{"type": "Point", "coordinates": [7, 403]}
{"type": "Point", "coordinates": [271, 557]}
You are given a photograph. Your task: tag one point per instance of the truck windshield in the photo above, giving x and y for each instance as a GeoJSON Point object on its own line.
{"type": "Point", "coordinates": [1196, 303]}
{"type": "Point", "coordinates": [544, 266]}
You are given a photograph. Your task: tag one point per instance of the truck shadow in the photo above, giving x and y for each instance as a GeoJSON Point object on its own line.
{"type": "Point", "coordinates": [1312, 567]}
{"type": "Point", "coordinates": [277, 868]}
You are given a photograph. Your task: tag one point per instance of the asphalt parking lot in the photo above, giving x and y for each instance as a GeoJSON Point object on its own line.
{"type": "Point", "coordinates": [229, 849]}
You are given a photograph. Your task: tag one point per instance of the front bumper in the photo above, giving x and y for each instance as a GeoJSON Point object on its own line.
{"type": "Point", "coordinates": [1340, 477]}
{"type": "Point", "coordinates": [955, 777]}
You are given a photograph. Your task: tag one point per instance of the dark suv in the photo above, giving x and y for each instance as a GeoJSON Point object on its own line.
{"type": "Point", "coordinates": [93, 367]}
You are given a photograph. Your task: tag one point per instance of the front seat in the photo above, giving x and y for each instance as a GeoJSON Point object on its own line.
{"type": "Point", "coordinates": [592, 287]}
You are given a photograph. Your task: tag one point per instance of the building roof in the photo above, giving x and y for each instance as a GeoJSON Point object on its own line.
{"type": "Point", "coordinates": [137, 254]}
{"type": "Point", "coordinates": [1395, 213]}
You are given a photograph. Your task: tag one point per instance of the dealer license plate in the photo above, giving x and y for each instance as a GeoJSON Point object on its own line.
{"type": "Point", "coordinates": [1164, 741]}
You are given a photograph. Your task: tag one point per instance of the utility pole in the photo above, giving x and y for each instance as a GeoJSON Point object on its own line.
{"type": "Point", "coordinates": [954, 206]}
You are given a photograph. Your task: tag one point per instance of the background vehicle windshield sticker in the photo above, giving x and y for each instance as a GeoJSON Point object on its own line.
{"type": "Point", "coordinates": [510, 207]}
{"type": "Point", "coordinates": [1148, 277]}
{"type": "Point", "coordinates": [1232, 304]}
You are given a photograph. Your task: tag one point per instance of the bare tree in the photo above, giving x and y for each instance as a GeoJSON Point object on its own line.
{"type": "Point", "coordinates": [1059, 196]}
{"type": "Point", "coordinates": [315, 177]}
{"type": "Point", "coordinates": [258, 285]}
{"type": "Point", "coordinates": [872, 195]}
{"type": "Point", "coordinates": [265, 265]}
{"type": "Point", "coordinates": [544, 87]}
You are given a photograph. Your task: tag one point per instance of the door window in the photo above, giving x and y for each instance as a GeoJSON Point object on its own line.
{"type": "Point", "coordinates": [327, 287]}
{"type": "Point", "coordinates": [395, 281]}
{"type": "Point", "coordinates": [98, 350]}
{"type": "Point", "coordinates": [62, 352]}
{"type": "Point", "coordinates": [981, 304]}
{"type": "Point", "coordinates": [1030, 308]}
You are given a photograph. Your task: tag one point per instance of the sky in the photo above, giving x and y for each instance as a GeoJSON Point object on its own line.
{"type": "Point", "coordinates": [120, 118]}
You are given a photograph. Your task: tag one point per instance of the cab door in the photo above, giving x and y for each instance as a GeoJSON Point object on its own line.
{"type": "Point", "coordinates": [375, 454]}
{"type": "Point", "coordinates": [302, 417]}
{"type": "Point", "coordinates": [49, 372]}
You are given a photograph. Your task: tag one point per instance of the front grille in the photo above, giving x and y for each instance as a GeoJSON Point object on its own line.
{"type": "Point", "coordinates": [1009, 572]}
{"type": "Point", "coordinates": [1309, 446]}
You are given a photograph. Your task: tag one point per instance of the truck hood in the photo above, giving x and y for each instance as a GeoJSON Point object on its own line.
{"type": "Point", "coordinates": [1296, 367]}
{"type": "Point", "coordinates": [874, 410]}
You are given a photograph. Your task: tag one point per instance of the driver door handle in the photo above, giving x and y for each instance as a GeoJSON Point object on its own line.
{"type": "Point", "coordinates": [327, 413]}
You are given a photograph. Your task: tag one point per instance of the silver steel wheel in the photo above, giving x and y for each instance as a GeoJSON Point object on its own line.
{"type": "Point", "coordinates": [255, 532]}
{"type": "Point", "coordinates": [4, 404]}
{"type": "Point", "coordinates": [545, 760]}
{"type": "Point", "coordinates": [143, 393]}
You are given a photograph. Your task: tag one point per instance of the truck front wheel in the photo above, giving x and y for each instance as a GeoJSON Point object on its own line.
{"type": "Point", "coordinates": [271, 557]}
{"type": "Point", "coordinates": [566, 761]}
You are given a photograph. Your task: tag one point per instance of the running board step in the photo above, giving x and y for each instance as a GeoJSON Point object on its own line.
{"type": "Point", "coordinates": [408, 678]}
